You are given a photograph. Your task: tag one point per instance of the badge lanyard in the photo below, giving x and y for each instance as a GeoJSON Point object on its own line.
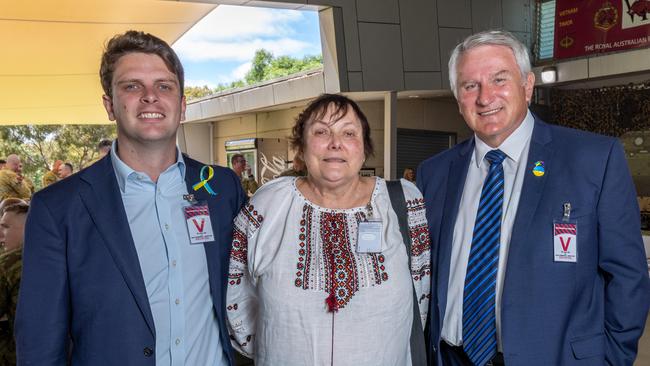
{"type": "Point", "coordinates": [369, 236]}
{"type": "Point", "coordinates": [197, 218]}
{"type": "Point", "coordinates": [565, 237]}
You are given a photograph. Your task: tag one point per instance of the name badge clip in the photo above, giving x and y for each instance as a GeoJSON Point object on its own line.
{"type": "Point", "coordinates": [567, 211]}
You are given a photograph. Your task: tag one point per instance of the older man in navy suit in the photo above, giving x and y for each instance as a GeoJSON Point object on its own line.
{"type": "Point", "coordinates": [535, 229]}
{"type": "Point", "coordinates": [125, 262]}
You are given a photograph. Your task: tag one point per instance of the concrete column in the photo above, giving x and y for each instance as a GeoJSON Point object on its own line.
{"type": "Point", "coordinates": [390, 135]}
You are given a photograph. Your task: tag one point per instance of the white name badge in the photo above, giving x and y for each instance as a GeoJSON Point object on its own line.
{"type": "Point", "coordinates": [199, 226]}
{"type": "Point", "coordinates": [565, 241]}
{"type": "Point", "coordinates": [369, 237]}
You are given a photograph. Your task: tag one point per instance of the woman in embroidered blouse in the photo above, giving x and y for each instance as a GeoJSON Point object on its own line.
{"type": "Point", "coordinates": [301, 290]}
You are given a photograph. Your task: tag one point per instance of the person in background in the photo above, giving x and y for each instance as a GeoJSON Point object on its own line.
{"type": "Point", "coordinates": [297, 169]}
{"type": "Point", "coordinates": [3, 162]}
{"type": "Point", "coordinates": [241, 168]}
{"type": "Point", "coordinates": [130, 255]}
{"type": "Point", "coordinates": [12, 181]}
{"type": "Point", "coordinates": [52, 176]}
{"type": "Point", "coordinates": [8, 202]}
{"type": "Point", "coordinates": [104, 147]}
{"type": "Point", "coordinates": [65, 171]}
{"type": "Point", "coordinates": [319, 271]}
{"type": "Point", "coordinates": [409, 174]}
{"type": "Point", "coordinates": [534, 227]}
{"type": "Point", "coordinates": [12, 231]}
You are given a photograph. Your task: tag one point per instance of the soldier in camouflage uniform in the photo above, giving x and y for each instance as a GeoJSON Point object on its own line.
{"type": "Point", "coordinates": [10, 267]}
{"type": "Point", "coordinates": [12, 233]}
{"type": "Point", "coordinates": [12, 182]}
{"type": "Point", "coordinates": [239, 165]}
{"type": "Point", "coordinates": [52, 176]}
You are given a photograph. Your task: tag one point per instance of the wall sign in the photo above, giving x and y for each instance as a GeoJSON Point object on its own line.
{"type": "Point", "coordinates": [587, 27]}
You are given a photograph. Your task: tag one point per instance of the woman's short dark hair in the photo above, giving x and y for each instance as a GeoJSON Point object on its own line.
{"type": "Point", "coordinates": [318, 108]}
{"type": "Point", "coordinates": [135, 41]}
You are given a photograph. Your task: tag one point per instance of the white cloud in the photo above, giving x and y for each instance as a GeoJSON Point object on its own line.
{"type": "Point", "coordinates": [201, 82]}
{"type": "Point", "coordinates": [238, 51]}
{"type": "Point", "coordinates": [234, 33]}
{"type": "Point", "coordinates": [242, 22]}
{"type": "Point", "coordinates": [241, 70]}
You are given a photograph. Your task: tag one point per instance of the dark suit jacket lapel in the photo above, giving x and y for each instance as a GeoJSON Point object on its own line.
{"type": "Point", "coordinates": [455, 183]}
{"type": "Point", "coordinates": [103, 201]}
{"type": "Point", "coordinates": [532, 188]}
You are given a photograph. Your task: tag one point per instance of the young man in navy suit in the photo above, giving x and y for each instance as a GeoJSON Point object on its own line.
{"type": "Point", "coordinates": [125, 262]}
{"type": "Point", "coordinates": [535, 230]}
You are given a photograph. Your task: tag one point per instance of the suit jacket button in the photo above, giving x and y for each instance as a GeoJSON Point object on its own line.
{"type": "Point", "coordinates": [148, 352]}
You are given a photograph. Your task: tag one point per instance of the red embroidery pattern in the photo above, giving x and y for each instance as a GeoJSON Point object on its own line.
{"type": "Point", "coordinates": [341, 281]}
{"type": "Point", "coordinates": [379, 268]}
{"type": "Point", "coordinates": [304, 249]}
{"type": "Point", "coordinates": [234, 278]}
{"type": "Point", "coordinates": [415, 205]}
{"type": "Point", "coordinates": [420, 241]}
{"type": "Point", "coordinates": [239, 251]}
{"type": "Point", "coordinates": [252, 216]}
{"type": "Point", "coordinates": [327, 260]}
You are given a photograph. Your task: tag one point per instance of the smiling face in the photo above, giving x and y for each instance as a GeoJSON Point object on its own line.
{"type": "Point", "coordinates": [333, 148]}
{"type": "Point", "coordinates": [492, 95]}
{"type": "Point", "coordinates": [146, 103]}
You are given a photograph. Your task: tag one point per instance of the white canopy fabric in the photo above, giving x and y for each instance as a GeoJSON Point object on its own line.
{"type": "Point", "coordinates": [50, 52]}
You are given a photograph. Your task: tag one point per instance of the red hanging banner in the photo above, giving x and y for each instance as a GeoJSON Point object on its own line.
{"type": "Point", "coordinates": [587, 27]}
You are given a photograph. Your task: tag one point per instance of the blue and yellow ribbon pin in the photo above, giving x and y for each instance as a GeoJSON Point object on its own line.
{"type": "Point", "coordinates": [204, 181]}
{"type": "Point", "coordinates": [538, 169]}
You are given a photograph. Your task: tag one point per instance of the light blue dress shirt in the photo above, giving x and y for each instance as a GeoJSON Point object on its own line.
{"type": "Point", "coordinates": [516, 148]}
{"type": "Point", "coordinates": [175, 272]}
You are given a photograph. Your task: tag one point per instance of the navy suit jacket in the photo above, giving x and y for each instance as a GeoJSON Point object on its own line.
{"type": "Point", "coordinates": [587, 313]}
{"type": "Point", "coordinates": [82, 294]}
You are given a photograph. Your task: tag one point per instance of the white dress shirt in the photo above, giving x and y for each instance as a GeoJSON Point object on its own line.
{"type": "Point", "coordinates": [516, 148]}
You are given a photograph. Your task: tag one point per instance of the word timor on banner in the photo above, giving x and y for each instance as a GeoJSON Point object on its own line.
{"type": "Point", "coordinates": [586, 27]}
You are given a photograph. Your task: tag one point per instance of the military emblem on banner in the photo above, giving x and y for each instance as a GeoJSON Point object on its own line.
{"type": "Point", "coordinates": [606, 17]}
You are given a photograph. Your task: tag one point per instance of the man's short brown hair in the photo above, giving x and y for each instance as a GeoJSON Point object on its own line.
{"type": "Point", "coordinates": [19, 208]}
{"type": "Point", "coordinates": [135, 41]}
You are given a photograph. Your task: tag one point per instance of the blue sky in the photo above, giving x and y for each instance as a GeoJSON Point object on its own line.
{"type": "Point", "coordinates": [219, 48]}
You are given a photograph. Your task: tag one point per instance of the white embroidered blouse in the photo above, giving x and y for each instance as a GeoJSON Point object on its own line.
{"type": "Point", "coordinates": [289, 256]}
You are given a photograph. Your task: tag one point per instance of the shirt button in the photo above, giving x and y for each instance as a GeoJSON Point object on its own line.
{"type": "Point", "coordinates": [166, 226]}
{"type": "Point", "coordinates": [178, 301]}
{"type": "Point", "coordinates": [174, 263]}
{"type": "Point", "coordinates": [178, 341]}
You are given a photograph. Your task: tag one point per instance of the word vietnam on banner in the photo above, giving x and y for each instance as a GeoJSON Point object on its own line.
{"type": "Point", "coordinates": [586, 27]}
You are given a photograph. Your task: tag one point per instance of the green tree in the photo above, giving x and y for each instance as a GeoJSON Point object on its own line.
{"type": "Point", "coordinates": [40, 145]}
{"type": "Point", "coordinates": [196, 92]}
{"type": "Point", "coordinates": [264, 66]}
{"type": "Point", "coordinates": [259, 67]}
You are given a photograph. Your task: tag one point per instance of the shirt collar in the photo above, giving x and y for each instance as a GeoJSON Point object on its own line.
{"type": "Point", "coordinates": [123, 171]}
{"type": "Point", "coordinates": [513, 144]}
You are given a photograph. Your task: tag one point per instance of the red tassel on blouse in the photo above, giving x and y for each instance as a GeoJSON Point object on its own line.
{"type": "Point", "coordinates": [332, 304]}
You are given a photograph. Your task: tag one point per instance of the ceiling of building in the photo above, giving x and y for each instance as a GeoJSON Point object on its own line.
{"type": "Point", "coordinates": [51, 52]}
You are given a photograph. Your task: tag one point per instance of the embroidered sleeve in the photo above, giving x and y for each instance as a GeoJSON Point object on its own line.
{"type": "Point", "coordinates": [420, 249]}
{"type": "Point", "coordinates": [241, 298]}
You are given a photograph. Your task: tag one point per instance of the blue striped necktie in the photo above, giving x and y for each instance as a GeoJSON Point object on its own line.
{"type": "Point", "coordinates": [479, 316]}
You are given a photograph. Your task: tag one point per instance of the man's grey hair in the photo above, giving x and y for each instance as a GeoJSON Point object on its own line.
{"type": "Point", "coordinates": [492, 38]}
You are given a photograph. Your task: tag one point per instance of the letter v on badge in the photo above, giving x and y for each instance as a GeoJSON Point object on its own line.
{"type": "Point", "coordinates": [199, 226]}
{"type": "Point", "coordinates": [565, 237]}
